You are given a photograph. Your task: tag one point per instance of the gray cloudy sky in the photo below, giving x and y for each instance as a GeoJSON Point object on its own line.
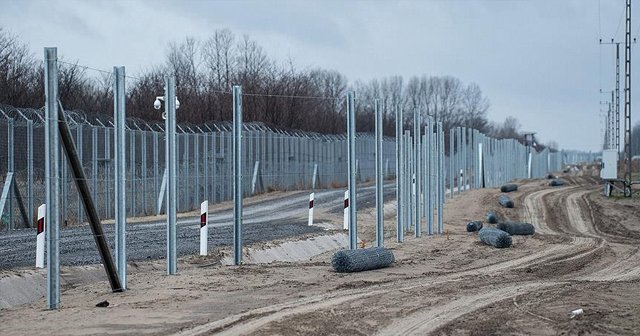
{"type": "Point", "coordinates": [537, 60]}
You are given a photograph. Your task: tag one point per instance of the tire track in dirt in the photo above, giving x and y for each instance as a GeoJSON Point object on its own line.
{"type": "Point", "coordinates": [535, 209]}
{"type": "Point", "coordinates": [535, 205]}
{"type": "Point", "coordinates": [253, 320]}
{"type": "Point", "coordinates": [625, 268]}
{"type": "Point", "coordinates": [627, 263]}
{"type": "Point", "coordinates": [579, 224]}
{"type": "Point", "coordinates": [432, 319]}
{"type": "Point", "coordinates": [537, 213]}
{"type": "Point", "coordinates": [424, 321]}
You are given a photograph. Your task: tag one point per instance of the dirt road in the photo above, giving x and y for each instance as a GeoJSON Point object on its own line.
{"type": "Point", "coordinates": [584, 255]}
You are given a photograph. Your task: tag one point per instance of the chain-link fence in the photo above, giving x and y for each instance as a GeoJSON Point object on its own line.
{"type": "Point", "coordinates": [273, 159]}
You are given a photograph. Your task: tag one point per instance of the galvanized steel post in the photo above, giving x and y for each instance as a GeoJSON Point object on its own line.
{"type": "Point", "coordinates": [120, 165]}
{"type": "Point", "coordinates": [416, 170]}
{"type": "Point", "coordinates": [170, 159]}
{"type": "Point", "coordinates": [407, 181]}
{"type": "Point", "coordinates": [11, 169]}
{"type": "Point", "coordinates": [52, 177]}
{"type": "Point", "coordinates": [429, 191]}
{"type": "Point", "coordinates": [379, 179]}
{"type": "Point", "coordinates": [451, 169]}
{"type": "Point", "coordinates": [465, 154]}
{"type": "Point", "coordinates": [440, 178]}
{"type": "Point", "coordinates": [399, 176]}
{"type": "Point", "coordinates": [425, 173]}
{"type": "Point", "coordinates": [351, 145]}
{"type": "Point", "coordinates": [30, 170]}
{"type": "Point", "coordinates": [237, 174]}
{"type": "Point", "coordinates": [94, 162]}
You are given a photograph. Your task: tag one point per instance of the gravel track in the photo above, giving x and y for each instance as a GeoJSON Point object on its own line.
{"type": "Point", "coordinates": [264, 220]}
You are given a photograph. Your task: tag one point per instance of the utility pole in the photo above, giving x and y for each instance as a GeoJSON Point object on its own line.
{"type": "Point", "coordinates": [627, 100]}
{"type": "Point", "coordinates": [616, 101]}
{"type": "Point", "coordinates": [618, 98]}
{"type": "Point", "coordinates": [612, 124]}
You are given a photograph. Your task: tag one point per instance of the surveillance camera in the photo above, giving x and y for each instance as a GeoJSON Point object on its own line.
{"type": "Point", "coordinates": [157, 104]}
{"type": "Point", "coordinates": [177, 103]}
{"type": "Point", "coordinates": [164, 115]}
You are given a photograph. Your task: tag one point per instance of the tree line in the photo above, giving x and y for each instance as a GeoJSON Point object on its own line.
{"type": "Point", "coordinates": [276, 93]}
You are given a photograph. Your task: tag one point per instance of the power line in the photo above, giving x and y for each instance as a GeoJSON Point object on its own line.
{"type": "Point", "coordinates": [620, 21]}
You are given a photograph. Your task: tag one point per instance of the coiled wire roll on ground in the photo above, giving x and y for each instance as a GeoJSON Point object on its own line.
{"type": "Point", "coordinates": [509, 187]}
{"type": "Point", "coordinates": [516, 229]}
{"type": "Point", "coordinates": [492, 217]}
{"type": "Point", "coordinates": [474, 226]}
{"type": "Point", "coordinates": [347, 261]}
{"type": "Point", "coordinates": [505, 201]}
{"type": "Point", "coordinates": [494, 237]}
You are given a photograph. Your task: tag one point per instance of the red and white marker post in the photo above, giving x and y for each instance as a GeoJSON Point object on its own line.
{"type": "Point", "coordinates": [204, 228]}
{"type": "Point", "coordinates": [346, 210]}
{"type": "Point", "coordinates": [40, 236]}
{"type": "Point", "coordinates": [311, 197]}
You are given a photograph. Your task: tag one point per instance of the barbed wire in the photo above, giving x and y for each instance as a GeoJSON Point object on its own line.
{"type": "Point", "coordinates": [80, 118]}
{"type": "Point", "coordinates": [208, 90]}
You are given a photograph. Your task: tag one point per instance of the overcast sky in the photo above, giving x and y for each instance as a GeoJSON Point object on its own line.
{"type": "Point", "coordinates": [536, 60]}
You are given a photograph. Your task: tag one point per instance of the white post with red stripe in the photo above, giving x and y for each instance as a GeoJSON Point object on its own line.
{"type": "Point", "coordinates": [346, 210]}
{"type": "Point", "coordinates": [311, 197]}
{"type": "Point", "coordinates": [40, 236]}
{"type": "Point", "coordinates": [204, 228]}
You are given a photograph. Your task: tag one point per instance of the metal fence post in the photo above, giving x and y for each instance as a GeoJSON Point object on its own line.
{"type": "Point", "coordinates": [143, 171]}
{"type": "Point", "coordinates": [94, 163]}
{"type": "Point", "coordinates": [379, 180]}
{"type": "Point", "coordinates": [196, 169]}
{"type": "Point", "coordinates": [170, 158]}
{"type": "Point", "coordinates": [214, 152]}
{"type": "Point", "coordinates": [351, 145]}
{"type": "Point", "coordinates": [52, 177]}
{"type": "Point", "coordinates": [407, 180]}
{"type": "Point", "coordinates": [416, 171]}
{"type": "Point", "coordinates": [205, 164]}
{"type": "Point", "coordinates": [11, 169]}
{"type": "Point", "coordinates": [80, 146]}
{"type": "Point", "coordinates": [155, 164]}
{"type": "Point", "coordinates": [465, 161]}
{"type": "Point", "coordinates": [237, 172]}
{"type": "Point", "coordinates": [440, 178]}
{"type": "Point", "coordinates": [120, 172]}
{"type": "Point", "coordinates": [107, 179]}
{"type": "Point", "coordinates": [451, 166]}
{"type": "Point", "coordinates": [459, 160]}
{"type": "Point", "coordinates": [132, 168]}
{"type": "Point", "coordinates": [30, 208]}
{"type": "Point", "coordinates": [185, 164]}
{"type": "Point", "coordinates": [429, 175]}
{"type": "Point", "coordinates": [399, 176]}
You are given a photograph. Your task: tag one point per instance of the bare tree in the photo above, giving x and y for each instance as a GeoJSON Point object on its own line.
{"type": "Point", "coordinates": [18, 71]}
{"type": "Point", "coordinates": [277, 94]}
{"type": "Point", "coordinates": [510, 129]}
{"type": "Point", "coordinates": [475, 106]}
{"type": "Point", "coordinates": [219, 58]}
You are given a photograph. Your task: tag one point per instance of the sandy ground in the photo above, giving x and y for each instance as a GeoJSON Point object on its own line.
{"type": "Point", "coordinates": [585, 254]}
